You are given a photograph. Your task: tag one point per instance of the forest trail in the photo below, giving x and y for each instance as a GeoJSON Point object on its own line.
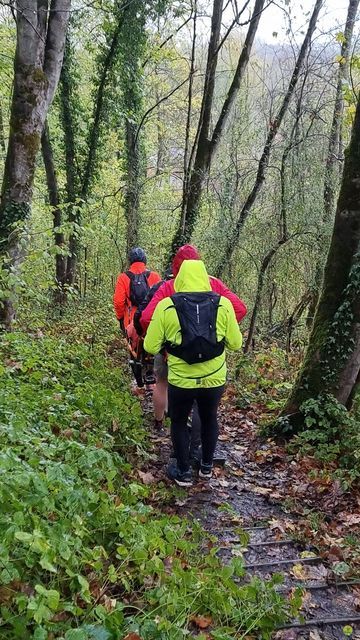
{"type": "Point", "coordinates": [249, 495]}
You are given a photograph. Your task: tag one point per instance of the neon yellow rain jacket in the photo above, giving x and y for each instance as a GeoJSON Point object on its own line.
{"type": "Point", "coordinates": [165, 326]}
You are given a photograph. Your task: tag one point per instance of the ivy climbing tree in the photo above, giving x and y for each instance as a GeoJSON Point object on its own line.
{"type": "Point", "coordinates": [332, 361]}
{"type": "Point", "coordinates": [41, 30]}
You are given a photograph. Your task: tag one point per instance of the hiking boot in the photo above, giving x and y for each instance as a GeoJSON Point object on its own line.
{"type": "Point", "coordinates": [181, 478]}
{"type": "Point", "coordinates": [158, 425]}
{"type": "Point", "coordinates": [205, 471]}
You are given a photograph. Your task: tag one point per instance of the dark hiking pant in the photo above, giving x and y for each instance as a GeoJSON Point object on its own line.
{"type": "Point", "coordinates": [195, 431]}
{"type": "Point", "coordinates": [180, 405]}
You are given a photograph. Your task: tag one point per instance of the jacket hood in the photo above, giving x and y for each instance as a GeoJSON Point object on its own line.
{"type": "Point", "coordinates": [186, 252]}
{"type": "Point", "coordinates": [192, 277]}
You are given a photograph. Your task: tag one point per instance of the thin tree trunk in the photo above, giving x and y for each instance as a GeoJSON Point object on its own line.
{"type": "Point", "coordinates": [2, 134]}
{"type": "Point", "coordinates": [78, 188]}
{"type": "Point", "coordinates": [54, 199]}
{"type": "Point", "coordinates": [38, 59]}
{"type": "Point", "coordinates": [332, 361]}
{"type": "Point", "coordinates": [132, 192]}
{"type": "Point", "coordinates": [333, 160]}
{"type": "Point", "coordinates": [205, 145]}
{"type": "Point", "coordinates": [261, 277]}
{"type": "Point", "coordinates": [68, 119]}
{"type": "Point", "coordinates": [188, 119]}
{"type": "Point", "coordinates": [295, 316]}
{"type": "Point", "coordinates": [274, 128]}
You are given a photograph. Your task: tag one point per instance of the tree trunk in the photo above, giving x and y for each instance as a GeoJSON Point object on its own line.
{"type": "Point", "coordinates": [333, 160]}
{"type": "Point", "coordinates": [132, 192]}
{"type": "Point", "coordinates": [78, 187]}
{"type": "Point", "coordinates": [38, 59]}
{"type": "Point", "coordinates": [274, 128]}
{"type": "Point", "coordinates": [54, 199]}
{"type": "Point", "coordinates": [67, 96]}
{"type": "Point", "coordinates": [206, 144]}
{"type": "Point", "coordinates": [2, 134]}
{"type": "Point", "coordinates": [262, 272]}
{"type": "Point", "coordinates": [332, 361]}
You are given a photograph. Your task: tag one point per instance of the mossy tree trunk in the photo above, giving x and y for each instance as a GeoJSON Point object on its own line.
{"type": "Point", "coordinates": [41, 29]}
{"type": "Point", "coordinates": [2, 134]}
{"type": "Point", "coordinates": [54, 200]}
{"type": "Point", "coordinates": [80, 172]}
{"type": "Point", "coordinates": [68, 98]}
{"type": "Point", "coordinates": [132, 189]}
{"type": "Point", "coordinates": [332, 361]}
{"type": "Point", "coordinates": [333, 160]}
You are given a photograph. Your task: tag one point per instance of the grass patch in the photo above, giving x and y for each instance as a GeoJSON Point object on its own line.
{"type": "Point", "coordinates": [83, 554]}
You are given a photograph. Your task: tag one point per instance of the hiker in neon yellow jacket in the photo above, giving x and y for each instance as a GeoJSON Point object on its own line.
{"type": "Point", "coordinates": [200, 381]}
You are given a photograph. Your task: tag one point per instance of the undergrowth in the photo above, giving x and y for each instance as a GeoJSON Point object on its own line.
{"type": "Point", "coordinates": [332, 436]}
{"type": "Point", "coordinates": [264, 379]}
{"type": "Point", "coordinates": [83, 553]}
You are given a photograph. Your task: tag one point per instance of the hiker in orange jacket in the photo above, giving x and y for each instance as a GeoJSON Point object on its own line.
{"type": "Point", "coordinates": [125, 307]}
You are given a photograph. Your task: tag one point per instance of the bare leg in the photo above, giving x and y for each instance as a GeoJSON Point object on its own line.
{"type": "Point", "coordinates": [160, 399]}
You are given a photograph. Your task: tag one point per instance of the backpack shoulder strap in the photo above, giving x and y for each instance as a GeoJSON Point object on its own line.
{"type": "Point", "coordinates": [130, 275]}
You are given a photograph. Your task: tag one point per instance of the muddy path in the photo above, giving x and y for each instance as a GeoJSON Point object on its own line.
{"type": "Point", "coordinates": [248, 495]}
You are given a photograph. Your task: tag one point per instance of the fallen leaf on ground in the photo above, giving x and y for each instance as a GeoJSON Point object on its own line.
{"type": "Point", "coordinates": [317, 573]}
{"type": "Point", "coordinates": [349, 518]}
{"type": "Point", "coordinates": [308, 554]}
{"type": "Point", "coordinates": [305, 572]}
{"type": "Point", "coordinates": [146, 477]}
{"type": "Point", "coordinates": [299, 571]}
{"type": "Point", "coordinates": [202, 622]}
{"type": "Point", "coordinates": [262, 491]}
{"type": "Point", "coordinates": [223, 483]}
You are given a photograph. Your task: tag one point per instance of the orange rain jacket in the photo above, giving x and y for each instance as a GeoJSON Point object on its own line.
{"type": "Point", "coordinates": [124, 309]}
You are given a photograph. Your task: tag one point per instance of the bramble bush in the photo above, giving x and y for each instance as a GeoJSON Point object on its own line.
{"type": "Point", "coordinates": [83, 553]}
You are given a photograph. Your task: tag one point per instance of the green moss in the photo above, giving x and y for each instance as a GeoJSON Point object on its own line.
{"type": "Point", "coordinates": [31, 142]}
{"type": "Point", "coordinates": [39, 76]}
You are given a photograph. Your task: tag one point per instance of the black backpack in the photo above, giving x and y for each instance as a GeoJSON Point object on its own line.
{"type": "Point", "coordinates": [139, 286]}
{"type": "Point", "coordinates": [197, 313]}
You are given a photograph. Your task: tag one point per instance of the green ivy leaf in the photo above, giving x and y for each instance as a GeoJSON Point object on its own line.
{"type": "Point", "coordinates": [76, 634]}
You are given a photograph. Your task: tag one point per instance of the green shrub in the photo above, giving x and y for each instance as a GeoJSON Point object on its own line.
{"type": "Point", "coordinates": [83, 554]}
{"type": "Point", "coordinates": [331, 436]}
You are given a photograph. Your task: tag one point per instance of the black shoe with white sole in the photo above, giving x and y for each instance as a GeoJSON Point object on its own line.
{"type": "Point", "coordinates": [205, 471]}
{"type": "Point", "coordinates": [181, 478]}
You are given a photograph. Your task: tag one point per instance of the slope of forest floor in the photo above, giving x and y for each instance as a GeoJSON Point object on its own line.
{"type": "Point", "coordinates": [268, 508]}
{"type": "Point", "coordinates": [96, 543]}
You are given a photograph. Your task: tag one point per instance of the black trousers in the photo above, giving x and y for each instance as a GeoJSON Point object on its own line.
{"type": "Point", "coordinates": [195, 431]}
{"type": "Point", "coordinates": [180, 405]}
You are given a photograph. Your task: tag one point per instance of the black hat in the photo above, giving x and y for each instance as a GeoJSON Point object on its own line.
{"type": "Point", "coordinates": [137, 254]}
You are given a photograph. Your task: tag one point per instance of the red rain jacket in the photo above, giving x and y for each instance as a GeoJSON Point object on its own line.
{"type": "Point", "coordinates": [122, 304]}
{"type": "Point", "coordinates": [188, 252]}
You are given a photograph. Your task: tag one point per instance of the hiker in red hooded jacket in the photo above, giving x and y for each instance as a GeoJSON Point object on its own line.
{"type": "Point", "coordinates": [188, 252]}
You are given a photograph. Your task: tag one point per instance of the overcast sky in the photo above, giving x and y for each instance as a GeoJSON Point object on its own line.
{"type": "Point", "coordinates": [333, 16]}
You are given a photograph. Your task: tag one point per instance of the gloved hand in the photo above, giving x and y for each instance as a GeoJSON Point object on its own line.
{"type": "Point", "coordinates": [121, 325]}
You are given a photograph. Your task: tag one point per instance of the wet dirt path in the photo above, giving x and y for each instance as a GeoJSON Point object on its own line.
{"type": "Point", "coordinates": [244, 495]}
